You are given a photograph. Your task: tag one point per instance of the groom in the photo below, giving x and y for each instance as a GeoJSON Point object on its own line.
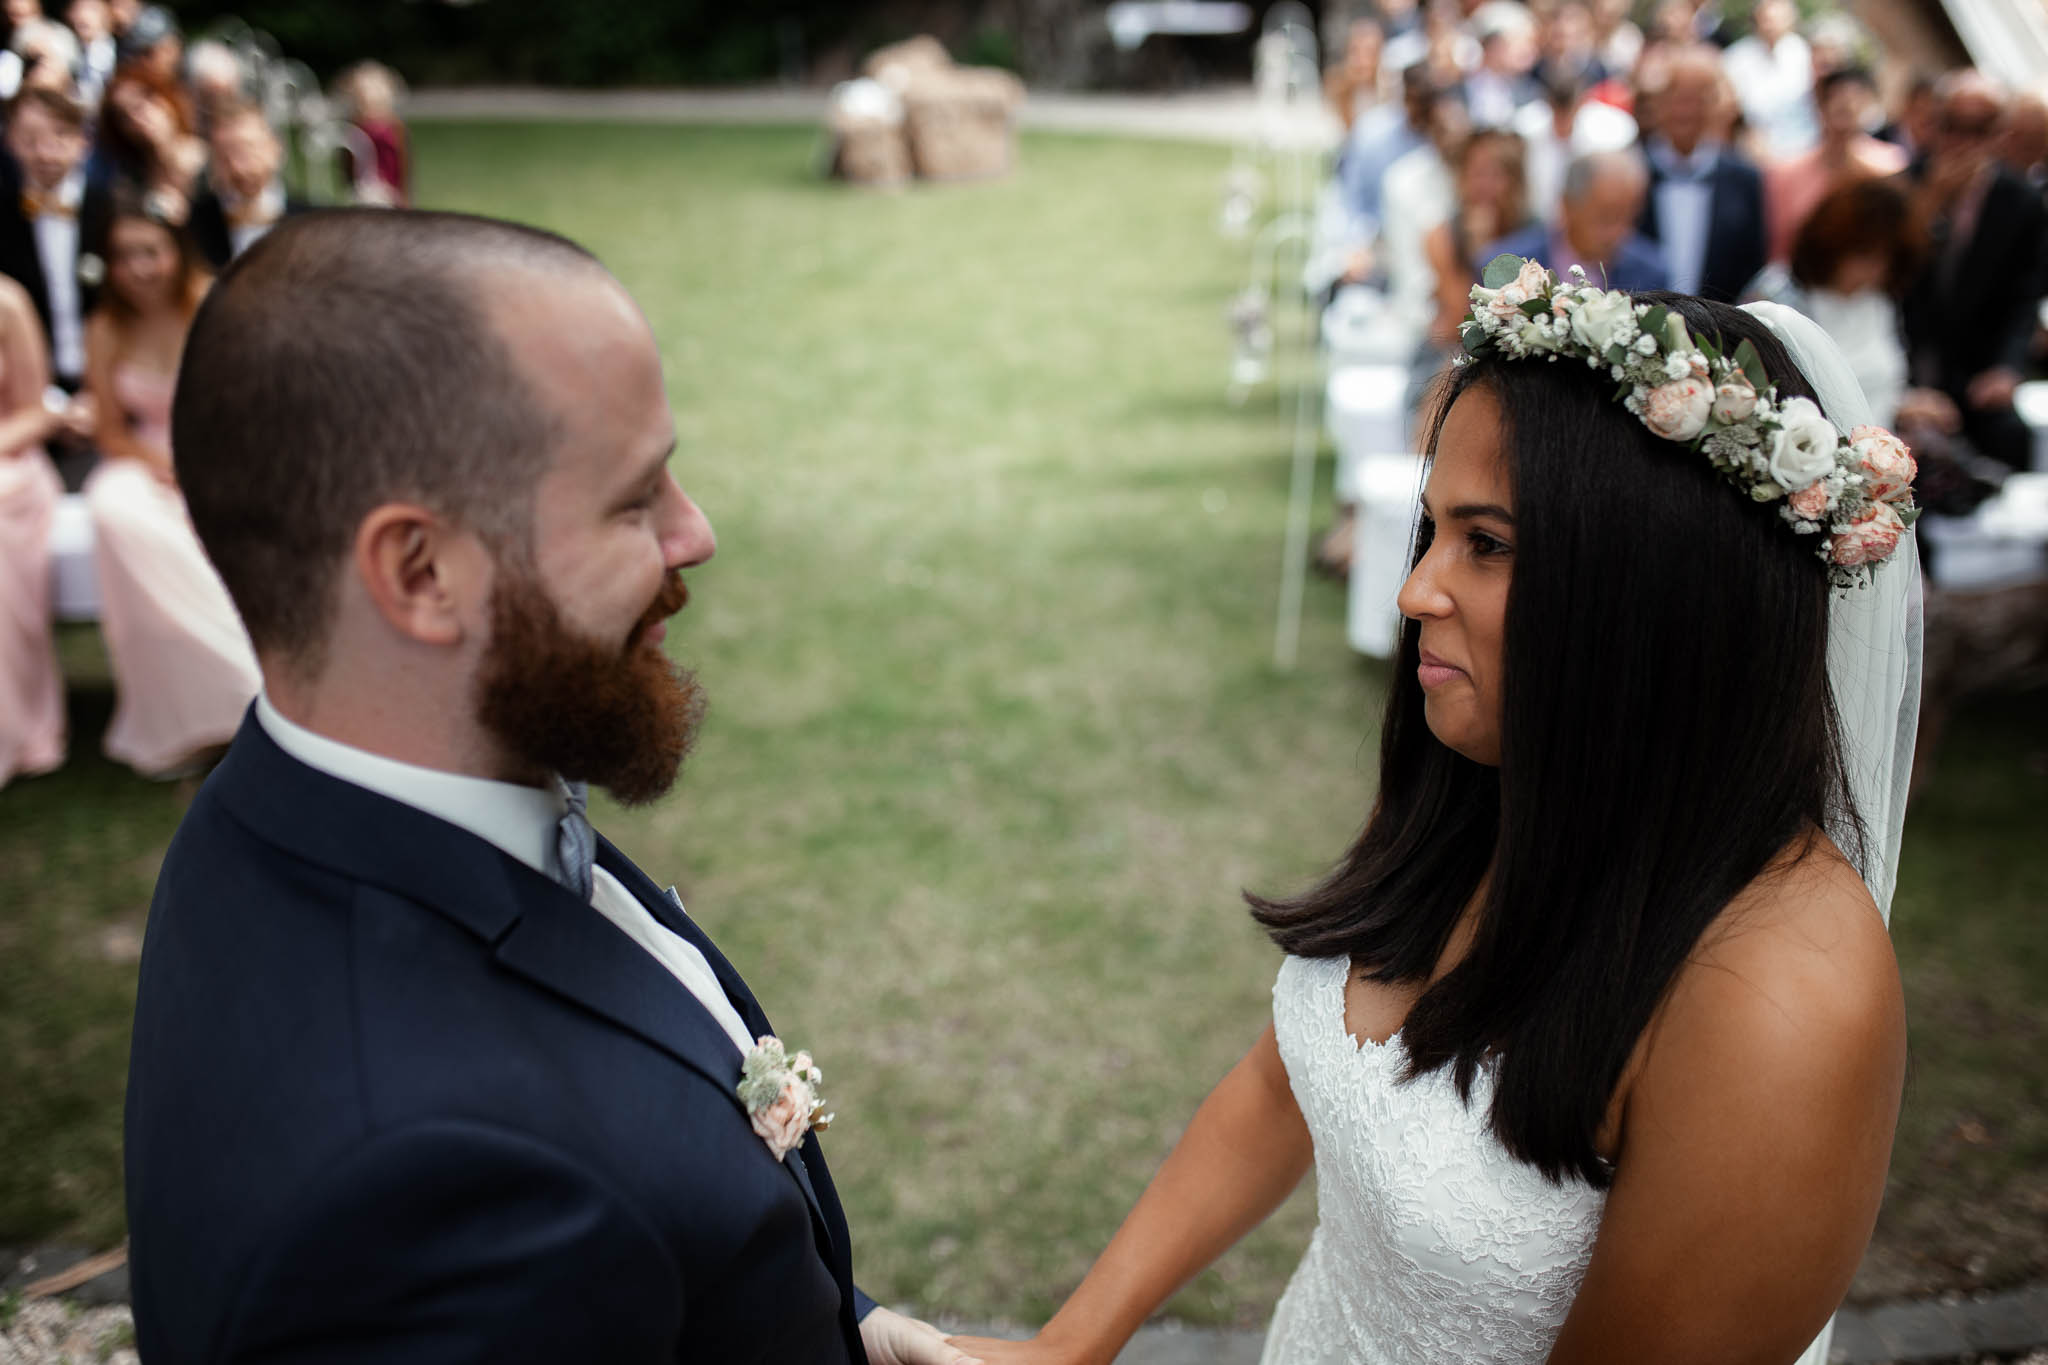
{"type": "Point", "coordinates": [423, 1070]}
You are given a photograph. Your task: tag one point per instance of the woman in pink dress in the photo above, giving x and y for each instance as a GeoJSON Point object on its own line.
{"type": "Point", "coordinates": [31, 690]}
{"type": "Point", "coordinates": [183, 668]}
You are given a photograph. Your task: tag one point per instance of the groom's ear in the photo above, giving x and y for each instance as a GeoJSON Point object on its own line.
{"type": "Point", "coordinates": [427, 579]}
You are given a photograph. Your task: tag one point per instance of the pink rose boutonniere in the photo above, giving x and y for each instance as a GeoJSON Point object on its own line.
{"type": "Point", "coordinates": [780, 1092]}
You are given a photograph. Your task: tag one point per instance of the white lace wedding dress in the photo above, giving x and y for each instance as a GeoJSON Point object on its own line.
{"type": "Point", "coordinates": [1433, 1246]}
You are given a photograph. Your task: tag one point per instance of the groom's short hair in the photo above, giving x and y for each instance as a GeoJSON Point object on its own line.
{"type": "Point", "coordinates": [347, 360]}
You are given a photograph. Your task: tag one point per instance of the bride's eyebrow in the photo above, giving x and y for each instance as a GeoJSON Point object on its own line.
{"type": "Point", "coordinates": [1472, 510]}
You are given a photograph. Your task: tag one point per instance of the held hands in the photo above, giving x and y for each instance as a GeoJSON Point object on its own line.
{"type": "Point", "coordinates": [892, 1339]}
{"type": "Point", "coordinates": [1032, 1352]}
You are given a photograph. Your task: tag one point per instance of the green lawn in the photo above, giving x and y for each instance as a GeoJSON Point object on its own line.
{"type": "Point", "coordinates": [995, 739]}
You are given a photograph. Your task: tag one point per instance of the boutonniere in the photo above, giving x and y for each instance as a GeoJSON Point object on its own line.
{"type": "Point", "coordinates": [91, 270]}
{"type": "Point", "coordinates": [781, 1094]}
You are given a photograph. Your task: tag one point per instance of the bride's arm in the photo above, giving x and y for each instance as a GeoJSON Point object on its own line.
{"type": "Point", "coordinates": [1244, 1151]}
{"type": "Point", "coordinates": [1756, 1135]}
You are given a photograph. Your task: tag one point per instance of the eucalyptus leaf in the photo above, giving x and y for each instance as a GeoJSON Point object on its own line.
{"type": "Point", "coordinates": [1617, 354]}
{"type": "Point", "coordinates": [1501, 270]}
{"type": "Point", "coordinates": [1653, 321]}
{"type": "Point", "coordinates": [1535, 308]}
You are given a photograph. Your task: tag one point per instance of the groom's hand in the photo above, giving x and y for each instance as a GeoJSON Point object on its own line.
{"type": "Point", "coordinates": [892, 1339]}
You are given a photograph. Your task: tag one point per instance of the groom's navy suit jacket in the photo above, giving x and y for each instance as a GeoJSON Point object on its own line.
{"type": "Point", "coordinates": [396, 1097]}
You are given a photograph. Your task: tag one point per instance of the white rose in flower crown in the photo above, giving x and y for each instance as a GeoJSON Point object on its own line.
{"type": "Point", "coordinates": [1887, 465]}
{"type": "Point", "coordinates": [1677, 411]}
{"type": "Point", "coordinates": [1734, 400]}
{"type": "Point", "coordinates": [1534, 336]}
{"type": "Point", "coordinates": [1803, 447]}
{"type": "Point", "coordinates": [1606, 319]}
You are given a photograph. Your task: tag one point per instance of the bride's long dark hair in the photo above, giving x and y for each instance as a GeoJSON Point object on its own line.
{"type": "Point", "coordinates": [1666, 731]}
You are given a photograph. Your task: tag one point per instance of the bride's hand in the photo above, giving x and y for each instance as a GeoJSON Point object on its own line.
{"type": "Point", "coordinates": [892, 1339]}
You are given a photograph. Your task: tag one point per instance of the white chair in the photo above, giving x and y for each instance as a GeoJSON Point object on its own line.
{"type": "Point", "coordinates": [2001, 544]}
{"type": "Point", "coordinates": [74, 581]}
{"type": "Point", "coordinates": [2030, 401]}
{"type": "Point", "coordinates": [1384, 488]}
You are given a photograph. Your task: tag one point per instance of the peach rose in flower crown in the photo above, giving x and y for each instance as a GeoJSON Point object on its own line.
{"type": "Point", "coordinates": [1887, 464]}
{"type": "Point", "coordinates": [1810, 502]}
{"type": "Point", "coordinates": [1870, 538]}
{"type": "Point", "coordinates": [1678, 411]}
{"type": "Point", "coordinates": [1734, 400]}
{"type": "Point", "coordinates": [1532, 280]}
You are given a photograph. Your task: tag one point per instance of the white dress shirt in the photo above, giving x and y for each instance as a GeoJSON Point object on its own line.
{"type": "Point", "coordinates": [57, 249]}
{"type": "Point", "coordinates": [270, 208]}
{"type": "Point", "coordinates": [520, 820]}
{"type": "Point", "coordinates": [1685, 209]}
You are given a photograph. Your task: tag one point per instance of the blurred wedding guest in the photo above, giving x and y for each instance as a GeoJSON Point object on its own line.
{"type": "Point", "coordinates": [147, 131]}
{"type": "Point", "coordinates": [1705, 204]}
{"type": "Point", "coordinates": [1914, 130]}
{"type": "Point", "coordinates": [1382, 137]}
{"type": "Point", "coordinates": [1502, 82]}
{"type": "Point", "coordinates": [369, 93]}
{"type": "Point", "coordinates": [1490, 202]}
{"type": "Point", "coordinates": [1845, 153]}
{"type": "Point", "coordinates": [1619, 41]}
{"type": "Point", "coordinates": [183, 667]}
{"type": "Point", "coordinates": [1595, 227]}
{"type": "Point", "coordinates": [1851, 261]}
{"type": "Point", "coordinates": [31, 689]}
{"type": "Point", "coordinates": [152, 39]}
{"type": "Point", "coordinates": [244, 195]}
{"type": "Point", "coordinates": [2024, 147]}
{"type": "Point", "coordinates": [53, 224]}
{"type": "Point", "coordinates": [1570, 52]}
{"type": "Point", "coordinates": [1564, 124]}
{"type": "Point", "coordinates": [1352, 85]}
{"type": "Point", "coordinates": [39, 52]}
{"type": "Point", "coordinates": [1419, 195]}
{"type": "Point", "coordinates": [1773, 73]}
{"type": "Point", "coordinates": [217, 81]}
{"type": "Point", "coordinates": [97, 54]}
{"type": "Point", "coordinates": [1970, 317]}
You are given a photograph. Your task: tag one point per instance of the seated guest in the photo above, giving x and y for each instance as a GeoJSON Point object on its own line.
{"type": "Point", "coordinates": [1491, 203]}
{"type": "Point", "coordinates": [217, 80]}
{"type": "Point", "coordinates": [244, 195]}
{"type": "Point", "coordinates": [183, 667]}
{"type": "Point", "coordinates": [152, 40]}
{"type": "Point", "coordinates": [1564, 124]}
{"type": "Point", "coordinates": [1970, 317]}
{"type": "Point", "coordinates": [1844, 154]}
{"type": "Point", "coordinates": [1773, 73]}
{"type": "Point", "coordinates": [53, 224]}
{"type": "Point", "coordinates": [369, 94]}
{"type": "Point", "coordinates": [1851, 262]}
{"type": "Point", "coordinates": [39, 52]}
{"type": "Point", "coordinates": [31, 689]}
{"type": "Point", "coordinates": [1595, 226]}
{"type": "Point", "coordinates": [1502, 83]}
{"type": "Point", "coordinates": [1705, 207]}
{"type": "Point", "coordinates": [146, 130]}
{"type": "Point", "coordinates": [96, 49]}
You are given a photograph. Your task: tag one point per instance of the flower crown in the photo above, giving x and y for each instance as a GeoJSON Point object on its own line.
{"type": "Point", "coordinates": [1855, 493]}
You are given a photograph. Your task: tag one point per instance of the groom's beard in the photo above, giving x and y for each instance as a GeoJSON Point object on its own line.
{"type": "Point", "coordinates": [618, 716]}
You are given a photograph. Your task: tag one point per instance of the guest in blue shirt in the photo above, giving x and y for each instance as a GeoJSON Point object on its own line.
{"type": "Point", "coordinates": [1595, 227]}
{"type": "Point", "coordinates": [1382, 136]}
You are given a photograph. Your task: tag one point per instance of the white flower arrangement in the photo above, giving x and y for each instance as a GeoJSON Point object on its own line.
{"type": "Point", "coordinates": [1855, 493]}
{"type": "Point", "coordinates": [781, 1095]}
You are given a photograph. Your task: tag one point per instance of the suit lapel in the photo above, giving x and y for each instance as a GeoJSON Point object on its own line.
{"type": "Point", "coordinates": [667, 907]}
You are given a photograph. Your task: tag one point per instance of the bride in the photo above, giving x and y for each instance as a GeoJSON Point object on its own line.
{"type": "Point", "coordinates": [1595, 1037]}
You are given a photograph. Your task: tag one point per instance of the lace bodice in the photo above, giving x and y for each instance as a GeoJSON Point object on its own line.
{"type": "Point", "coordinates": [1433, 1245]}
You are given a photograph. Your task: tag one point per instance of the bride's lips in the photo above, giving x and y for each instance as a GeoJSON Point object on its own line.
{"type": "Point", "coordinates": [1432, 671]}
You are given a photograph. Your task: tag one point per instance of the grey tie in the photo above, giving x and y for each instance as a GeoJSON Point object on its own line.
{"type": "Point", "coordinates": [575, 842]}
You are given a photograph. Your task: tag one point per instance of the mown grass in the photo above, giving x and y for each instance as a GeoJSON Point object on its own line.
{"type": "Point", "coordinates": [995, 739]}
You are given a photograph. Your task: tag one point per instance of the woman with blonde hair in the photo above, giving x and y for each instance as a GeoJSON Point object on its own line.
{"type": "Point", "coordinates": [182, 662]}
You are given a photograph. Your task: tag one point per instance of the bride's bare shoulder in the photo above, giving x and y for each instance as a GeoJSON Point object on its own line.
{"type": "Point", "coordinates": [1796, 974]}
